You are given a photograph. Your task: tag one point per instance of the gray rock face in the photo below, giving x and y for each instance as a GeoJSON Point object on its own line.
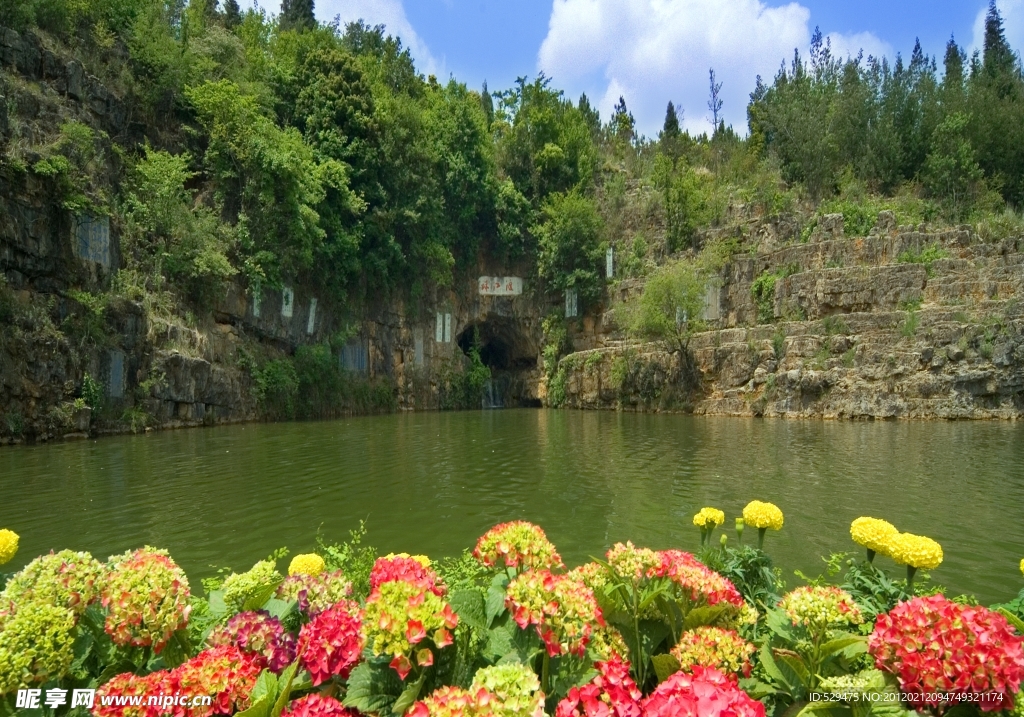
{"type": "Point", "coordinates": [856, 335]}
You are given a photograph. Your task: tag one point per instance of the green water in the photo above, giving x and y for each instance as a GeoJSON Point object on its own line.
{"type": "Point", "coordinates": [431, 483]}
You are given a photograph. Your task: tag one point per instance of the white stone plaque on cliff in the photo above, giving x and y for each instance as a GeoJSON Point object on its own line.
{"type": "Point", "coordinates": [500, 286]}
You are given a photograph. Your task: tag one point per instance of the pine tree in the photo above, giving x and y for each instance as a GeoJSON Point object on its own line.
{"type": "Point", "coordinates": [297, 15]}
{"type": "Point", "coordinates": [232, 14]}
{"type": "Point", "coordinates": [623, 125]}
{"type": "Point", "coordinates": [487, 102]}
{"type": "Point", "coordinates": [715, 100]}
{"type": "Point", "coordinates": [998, 59]}
{"type": "Point", "coordinates": [590, 114]}
{"type": "Point", "coordinates": [671, 127]}
{"type": "Point", "coordinates": [953, 78]}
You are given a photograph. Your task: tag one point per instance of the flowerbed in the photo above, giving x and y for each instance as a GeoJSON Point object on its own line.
{"type": "Point", "coordinates": [509, 631]}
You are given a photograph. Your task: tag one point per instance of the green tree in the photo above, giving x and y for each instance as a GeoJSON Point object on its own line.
{"type": "Point", "coordinates": [670, 130]}
{"type": "Point", "coordinates": [689, 198]}
{"type": "Point", "coordinates": [297, 15]}
{"type": "Point", "coordinates": [952, 173]}
{"type": "Point", "coordinates": [670, 307]}
{"type": "Point", "coordinates": [232, 14]}
{"type": "Point", "coordinates": [487, 104]}
{"type": "Point", "coordinates": [999, 59]}
{"type": "Point", "coordinates": [570, 251]}
{"type": "Point", "coordinates": [457, 129]}
{"type": "Point", "coordinates": [622, 125]}
{"type": "Point", "coordinates": [670, 138]}
{"type": "Point", "coordinates": [167, 234]}
{"type": "Point", "coordinates": [544, 143]}
{"type": "Point", "coordinates": [267, 177]}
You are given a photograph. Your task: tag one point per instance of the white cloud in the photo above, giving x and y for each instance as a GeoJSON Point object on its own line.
{"type": "Point", "coordinates": [844, 46]}
{"type": "Point", "coordinates": [391, 14]}
{"type": "Point", "coordinates": [651, 51]}
{"type": "Point", "coordinates": [1013, 24]}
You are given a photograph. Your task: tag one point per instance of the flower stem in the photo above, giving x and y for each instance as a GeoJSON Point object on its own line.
{"type": "Point", "coordinates": [871, 555]}
{"type": "Point", "coordinates": [760, 538]}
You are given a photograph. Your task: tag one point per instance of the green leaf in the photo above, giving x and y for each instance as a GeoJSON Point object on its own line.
{"type": "Point", "coordinates": [826, 709]}
{"type": "Point", "coordinates": [795, 709]}
{"type": "Point", "coordinates": [757, 689]}
{"type": "Point", "coordinates": [260, 597]}
{"type": "Point", "coordinates": [568, 672]}
{"type": "Point", "coordinates": [284, 689]}
{"type": "Point", "coordinates": [373, 687]}
{"type": "Point", "coordinates": [81, 649]}
{"type": "Point", "coordinates": [266, 686]}
{"type": "Point", "coordinates": [849, 645]}
{"type": "Point", "coordinates": [778, 623]}
{"type": "Point", "coordinates": [471, 608]}
{"type": "Point", "coordinates": [664, 666]}
{"type": "Point", "coordinates": [797, 676]}
{"type": "Point", "coordinates": [259, 707]}
{"type": "Point", "coordinates": [216, 600]}
{"type": "Point", "coordinates": [279, 608]}
{"type": "Point", "coordinates": [409, 696]}
{"type": "Point", "coordinates": [708, 615]}
{"type": "Point", "coordinates": [495, 604]}
{"type": "Point", "coordinates": [499, 642]}
{"type": "Point", "coordinates": [653, 633]}
{"type": "Point", "coordinates": [1017, 623]}
{"type": "Point", "coordinates": [771, 669]}
{"type": "Point", "coordinates": [176, 650]}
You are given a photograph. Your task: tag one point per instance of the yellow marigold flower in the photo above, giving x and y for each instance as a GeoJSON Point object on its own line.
{"type": "Point", "coordinates": [8, 545]}
{"type": "Point", "coordinates": [763, 515]}
{"type": "Point", "coordinates": [1022, 566]}
{"type": "Point", "coordinates": [709, 515]}
{"type": "Point", "coordinates": [306, 564]}
{"type": "Point", "coordinates": [917, 551]}
{"type": "Point", "coordinates": [873, 534]}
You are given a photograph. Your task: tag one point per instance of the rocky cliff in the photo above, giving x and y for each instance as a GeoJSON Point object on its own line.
{"type": "Point", "coordinates": [898, 324]}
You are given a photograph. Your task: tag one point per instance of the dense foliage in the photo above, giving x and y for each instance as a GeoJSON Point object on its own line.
{"type": "Point", "coordinates": [285, 149]}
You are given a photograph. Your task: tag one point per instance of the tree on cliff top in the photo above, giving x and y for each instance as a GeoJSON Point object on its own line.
{"type": "Point", "coordinates": [297, 15]}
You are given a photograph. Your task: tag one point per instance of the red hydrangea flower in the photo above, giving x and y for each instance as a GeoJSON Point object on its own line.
{"type": "Point", "coordinates": [517, 544]}
{"type": "Point", "coordinates": [146, 596]}
{"type": "Point", "coordinates": [225, 673]}
{"type": "Point", "coordinates": [332, 642]}
{"type": "Point", "coordinates": [704, 693]}
{"type": "Point", "coordinates": [697, 579]}
{"type": "Point", "coordinates": [406, 569]}
{"type": "Point", "coordinates": [934, 645]}
{"type": "Point", "coordinates": [316, 705]}
{"type": "Point", "coordinates": [611, 694]}
{"type": "Point", "coordinates": [258, 633]}
{"type": "Point", "coordinates": [130, 685]}
{"type": "Point", "coordinates": [314, 593]}
{"type": "Point", "coordinates": [563, 611]}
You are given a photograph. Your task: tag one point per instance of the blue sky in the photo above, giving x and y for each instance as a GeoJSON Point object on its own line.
{"type": "Point", "coordinates": [651, 51]}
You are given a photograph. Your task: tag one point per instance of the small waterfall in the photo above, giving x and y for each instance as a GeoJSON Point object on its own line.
{"type": "Point", "coordinates": [492, 395]}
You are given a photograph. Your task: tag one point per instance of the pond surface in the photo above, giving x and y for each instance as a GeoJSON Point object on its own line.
{"type": "Point", "coordinates": [433, 482]}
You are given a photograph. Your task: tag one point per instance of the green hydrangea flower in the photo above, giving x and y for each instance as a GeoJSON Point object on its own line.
{"type": "Point", "coordinates": [516, 687]}
{"type": "Point", "coordinates": [239, 587]}
{"type": "Point", "coordinates": [35, 646]}
{"type": "Point", "coordinates": [68, 579]}
{"type": "Point", "coordinates": [147, 598]}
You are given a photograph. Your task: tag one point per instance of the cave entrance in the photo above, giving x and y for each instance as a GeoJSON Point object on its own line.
{"type": "Point", "coordinates": [510, 352]}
